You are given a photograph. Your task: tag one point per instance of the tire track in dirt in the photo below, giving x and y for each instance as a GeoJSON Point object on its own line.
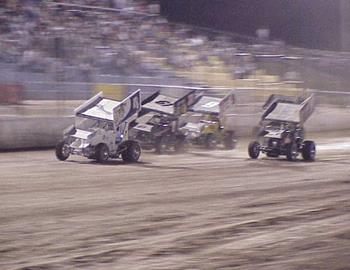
{"type": "Point", "coordinates": [215, 210]}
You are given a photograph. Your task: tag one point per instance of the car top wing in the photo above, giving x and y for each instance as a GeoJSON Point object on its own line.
{"type": "Point", "coordinates": [168, 103]}
{"type": "Point", "coordinates": [286, 112]}
{"type": "Point", "coordinates": [226, 104]}
{"type": "Point", "coordinates": [308, 107]}
{"type": "Point", "coordinates": [279, 98]}
{"type": "Point", "coordinates": [289, 112]}
{"type": "Point", "coordinates": [214, 105]}
{"type": "Point", "coordinates": [128, 109]}
{"type": "Point", "coordinates": [99, 107]}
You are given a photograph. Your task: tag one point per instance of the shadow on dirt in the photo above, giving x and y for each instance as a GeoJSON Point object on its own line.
{"type": "Point", "coordinates": [210, 155]}
{"type": "Point", "coordinates": [116, 162]}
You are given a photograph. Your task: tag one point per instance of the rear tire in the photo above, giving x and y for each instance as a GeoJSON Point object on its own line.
{"type": "Point", "coordinates": [309, 151]}
{"type": "Point", "coordinates": [292, 152]}
{"type": "Point", "coordinates": [254, 150]}
{"type": "Point", "coordinates": [62, 152]}
{"type": "Point", "coordinates": [101, 153]}
{"type": "Point", "coordinates": [132, 152]}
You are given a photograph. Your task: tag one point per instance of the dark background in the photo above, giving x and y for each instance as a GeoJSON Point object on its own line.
{"type": "Point", "coordinates": [304, 23]}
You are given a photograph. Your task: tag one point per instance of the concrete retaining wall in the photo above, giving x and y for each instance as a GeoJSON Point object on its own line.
{"type": "Point", "coordinates": [31, 132]}
{"type": "Point", "coordinates": [36, 132]}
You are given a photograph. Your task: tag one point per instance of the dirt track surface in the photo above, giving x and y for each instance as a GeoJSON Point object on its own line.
{"type": "Point", "coordinates": [202, 210]}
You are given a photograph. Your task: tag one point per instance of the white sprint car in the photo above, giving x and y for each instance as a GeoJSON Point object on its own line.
{"type": "Point", "coordinates": [101, 130]}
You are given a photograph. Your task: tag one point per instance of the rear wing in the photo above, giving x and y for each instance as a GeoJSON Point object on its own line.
{"type": "Point", "coordinates": [226, 104]}
{"type": "Point", "coordinates": [214, 105]}
{"type": "Point", "coordinates": [101, 108]}
{"type": "Point", "coordinates": [128, 109]}
{"type": "Point", "coordinates": [308, 107]}
{"type": "Point", "coordinates": [287, 111]}
{"type": "Point", "coordinates": [168, 103]}
{"type": "Point", "coordinates": [279, 98]}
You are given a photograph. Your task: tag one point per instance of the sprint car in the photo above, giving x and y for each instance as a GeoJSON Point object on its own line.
{"type": "Point", "coordinates": [206, 124]}
{"type": "Point", "coordinates": [101, 130]}
{"type": "Point", "coordinates": [159, 127]}
{"type": "Point", "coordinates": [281, 131]}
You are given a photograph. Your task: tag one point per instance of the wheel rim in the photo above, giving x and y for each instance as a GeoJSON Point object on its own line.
{"type": "Point", "coordinates": [312, 152]}
{"type": "Point", "coordinates": [293, 152]}
{"type": "Point", "coordinates": [104, 153]}
{"type": "Point", "coordinates": [256, 150]}
{"type": "Point", "coordinates": [65, 150]}
{"type": "Point", "coordinates": [136, 152]}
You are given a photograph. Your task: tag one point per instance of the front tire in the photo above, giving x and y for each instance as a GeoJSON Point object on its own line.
{"type": "Point", "coordinates": [102, 153]}
{"type": "Point", "coordinates": [254, 150]}
{"type": "Point", "coordinates": [62, 151]}
{"type": "Point", "coordinates": [132, 152]}
{"type": "Point", "coordinates": [309, 151]}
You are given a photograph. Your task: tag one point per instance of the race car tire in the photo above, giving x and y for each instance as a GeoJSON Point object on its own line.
{"type": "Point", "coordinates": [101, 153]}
{"type": "Point", "coordinates": [211, 141]}
{"type": "Point", "coordinates": [309, 151]}
{"type": "Point", "coordinates": [292, 152]}
{"type": "Point", "coordinates": [230, 140]}
{"type": "Point", "coordinates": [254, 149]}
{"type": "Point", "coordinates": [132, 152]}
{"type": "Point", "coordinates": [61, 153]}
{"type": "Point", "coordinates": [161, 145]}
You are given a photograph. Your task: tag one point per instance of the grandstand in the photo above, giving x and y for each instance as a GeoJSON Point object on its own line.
{"type": "Point", "coordinates": [128, 41]}
{"type": "Point", "coordinates": [196, 209]}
